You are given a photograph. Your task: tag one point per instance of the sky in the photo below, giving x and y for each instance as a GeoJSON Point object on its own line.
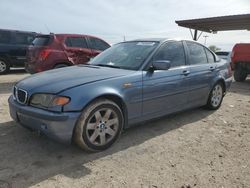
{"type": "Point", "coordinates": [114, 19]}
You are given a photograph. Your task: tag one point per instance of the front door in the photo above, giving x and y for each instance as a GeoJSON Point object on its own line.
{"type": "Point", "coordinates": [166, 91]}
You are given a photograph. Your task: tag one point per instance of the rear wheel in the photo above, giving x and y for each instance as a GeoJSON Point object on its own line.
{"type": "Point", "coordinates": [99, 125]}
{"type": "Point", "coordinates": [215, 96]}
{"type": "Point", "coordinates": [4, 67]}
{"type": "Point", "coordinates": [240, 74]}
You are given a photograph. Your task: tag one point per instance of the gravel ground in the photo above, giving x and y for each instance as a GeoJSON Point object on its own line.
{"type": "Point", "coordinates": [197, 148]}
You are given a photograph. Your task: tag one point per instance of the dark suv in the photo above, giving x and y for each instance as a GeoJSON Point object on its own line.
{"type": "Point", "coordinates": [61, 50]}
{"type": "Point", "coordinates": [13, 46]}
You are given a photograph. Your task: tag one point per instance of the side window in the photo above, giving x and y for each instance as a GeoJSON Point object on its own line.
{"type": "Point", "coordinates": [5, 37]}
{"type": "Point", "coordinates": [23, 38]}
{"type": "Point", "coordinates": [76, 42]}
{"type": "Point", "coordinates": [173, 52]}
{"type": "Point", "coordinates": [197, 54]}
{"type": "Point", "coordinates": [98, 44]}
{"type": "Point", "coordinates": [210, 56]}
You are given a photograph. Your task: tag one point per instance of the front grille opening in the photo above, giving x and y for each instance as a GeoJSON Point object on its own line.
{"type": "Point", "coordinates": [21, 95]}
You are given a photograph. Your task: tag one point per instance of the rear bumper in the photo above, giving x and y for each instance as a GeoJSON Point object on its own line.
{"type": "Point", "coordinates": [58, 126]}
{"type": "Point", "coordinates": [36, 66]}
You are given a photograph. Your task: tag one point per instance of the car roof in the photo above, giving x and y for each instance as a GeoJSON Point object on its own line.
{"type": "Point", "coordinates": [151, 39]}
{"type": "Point", "coordinates": [70, 35]}
{"type": "Point", "coordinates": [19, 31]}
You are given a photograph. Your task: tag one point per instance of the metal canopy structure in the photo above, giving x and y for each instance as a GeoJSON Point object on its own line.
{"type": "Point", "coordinates": [214, 24]}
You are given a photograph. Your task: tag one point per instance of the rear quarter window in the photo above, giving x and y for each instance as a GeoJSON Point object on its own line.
{"type": "Point", "coordinates": [98, 44]}
{"type": "Point", "coordinates": [41, 41]}
{"type": "Point", "coordinates": [210, 56]}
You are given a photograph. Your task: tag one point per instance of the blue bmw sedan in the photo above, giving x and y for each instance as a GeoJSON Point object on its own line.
{"type": "Point", "coordinates": [129, 83]}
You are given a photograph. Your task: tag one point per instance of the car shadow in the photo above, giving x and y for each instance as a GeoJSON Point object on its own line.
{"type": "Point", "coordinates": [242, 88]}
{"type": "Point", "coordinates": [27, 159]}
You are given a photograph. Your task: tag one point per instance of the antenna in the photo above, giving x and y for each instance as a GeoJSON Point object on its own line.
{"type": "Point", "coordinates": [47, 28]}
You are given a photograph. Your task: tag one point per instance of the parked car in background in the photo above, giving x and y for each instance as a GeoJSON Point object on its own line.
{"type": "Point", "coordinates": [241, 61]}
{"type": "Point", "coordinates": [129, 83]}
{"type": "Point", "coordinates": [13, 46]}
{"type": "Point", "coordinates": [226, 55]}
{"type": "Point", "coordinates": [61, 50]}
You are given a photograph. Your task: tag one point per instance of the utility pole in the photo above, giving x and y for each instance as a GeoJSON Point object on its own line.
{"type": "Point", "coordinates": [205, 42]}
{"type": "Point", "coordinates": [124, 38]}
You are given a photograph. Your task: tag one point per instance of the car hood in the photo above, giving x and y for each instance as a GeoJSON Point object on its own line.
{"type": "Point", "coordinates": [55, 81]}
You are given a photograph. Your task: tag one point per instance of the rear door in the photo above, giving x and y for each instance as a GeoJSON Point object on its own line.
{"type": "Point", "coordinates": [77, 50]}
{"type": "Point", "coordinates": [202, 71]}
{"type": "Point", "coordinates": [97, 45]}
{"type": "Point", "coordinates": [20, 42]}
{"type": "Point", "coordinates": [166, 91]}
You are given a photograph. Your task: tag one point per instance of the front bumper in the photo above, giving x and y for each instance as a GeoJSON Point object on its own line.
{"type": "Point", "coordinates": [58, 126]}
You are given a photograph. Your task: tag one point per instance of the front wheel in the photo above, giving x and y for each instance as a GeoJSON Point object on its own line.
{"type": "Point", "coordinates": [99, 125]}
{"type": "Point", "coordinates": [215, 97]}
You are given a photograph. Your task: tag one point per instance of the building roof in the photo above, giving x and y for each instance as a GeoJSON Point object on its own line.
{"type": "Point", "coordinates": [214, 24]}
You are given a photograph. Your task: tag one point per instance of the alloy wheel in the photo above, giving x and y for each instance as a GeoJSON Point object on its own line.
{"type": "Point", "coordinates": [3, 66]}
{"type": "Point", "coordinates": [217, 95]}
{"type": "Point", "coordinates": [102, 127]}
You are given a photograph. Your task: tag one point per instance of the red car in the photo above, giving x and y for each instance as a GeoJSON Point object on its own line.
{"type": "Point", "coordinates": [241, 61]}
{"type": "Point", "coordinates": [61, 50]}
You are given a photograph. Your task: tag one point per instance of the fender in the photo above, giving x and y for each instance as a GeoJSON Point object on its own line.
{"type": "Point", "coordinates": [130, 97]}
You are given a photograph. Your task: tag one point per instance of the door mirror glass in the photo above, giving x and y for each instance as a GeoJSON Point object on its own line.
{"type": "Point", "coordinates": [161, 65]}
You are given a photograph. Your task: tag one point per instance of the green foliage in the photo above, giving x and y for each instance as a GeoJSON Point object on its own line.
{"type": "Point", "coordinates": [214, 48]}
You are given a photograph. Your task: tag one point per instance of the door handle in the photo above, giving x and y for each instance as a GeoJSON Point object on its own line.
{"type": "Point", "coordinates": [186, 72]}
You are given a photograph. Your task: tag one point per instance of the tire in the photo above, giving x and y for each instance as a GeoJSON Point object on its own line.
{"type": "Point", "coordinates": [60, 66]}
{"type": "Point", "coordinates": [4, 67]}
{"type": "Point", "coordinates": [215, 97]}
{"type": "Point", "coordinates": [240, 74]}
{"type": "Point", "coordinates": [99, 125]}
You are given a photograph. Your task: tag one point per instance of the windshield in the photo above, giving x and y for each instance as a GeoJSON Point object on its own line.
{"type": "Point", "coordinates": [127, 55]}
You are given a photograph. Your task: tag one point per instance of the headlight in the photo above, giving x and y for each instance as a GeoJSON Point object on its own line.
{"type": "Point", "coordinates": [48, 100]}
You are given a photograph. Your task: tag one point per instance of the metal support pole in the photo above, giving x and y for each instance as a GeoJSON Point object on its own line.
{"type": "Point", "coordinates": [195, 34]}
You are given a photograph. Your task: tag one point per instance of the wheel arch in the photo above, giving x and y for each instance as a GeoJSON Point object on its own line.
{"type": "Point", "coordinates": [221, 80]}
{"type": "Point", "coordinates": [62, 62]}
{"type": "Point", "coordinates": [116, 99]}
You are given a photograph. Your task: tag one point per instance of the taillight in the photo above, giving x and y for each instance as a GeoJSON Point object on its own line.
{"type": "Point", "coordinates": [44, 54]}
{"type": "Point", "coordinates": [232, 54]}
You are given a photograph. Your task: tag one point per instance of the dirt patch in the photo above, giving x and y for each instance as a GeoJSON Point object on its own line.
{"type": "Point", "coordinates": [197, 148]}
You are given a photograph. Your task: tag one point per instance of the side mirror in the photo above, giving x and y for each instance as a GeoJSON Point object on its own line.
{"type": "Point", "coordinates": [161, 65]}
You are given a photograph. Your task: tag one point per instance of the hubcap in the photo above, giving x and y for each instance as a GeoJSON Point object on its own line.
{"type": "Point", "coordinates": [2, 66]}
{"type": "Point", "coordinates": [102, 126]}
{"type": "Point", "coordinates": [216, 95]}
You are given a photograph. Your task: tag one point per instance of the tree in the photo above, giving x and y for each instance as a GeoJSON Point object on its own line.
{"type": "Point", "coordinates": [214, 48]}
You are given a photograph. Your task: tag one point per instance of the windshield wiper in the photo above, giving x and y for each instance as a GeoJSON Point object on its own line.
{"type": "Point", "coordinates": [106, 65]}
